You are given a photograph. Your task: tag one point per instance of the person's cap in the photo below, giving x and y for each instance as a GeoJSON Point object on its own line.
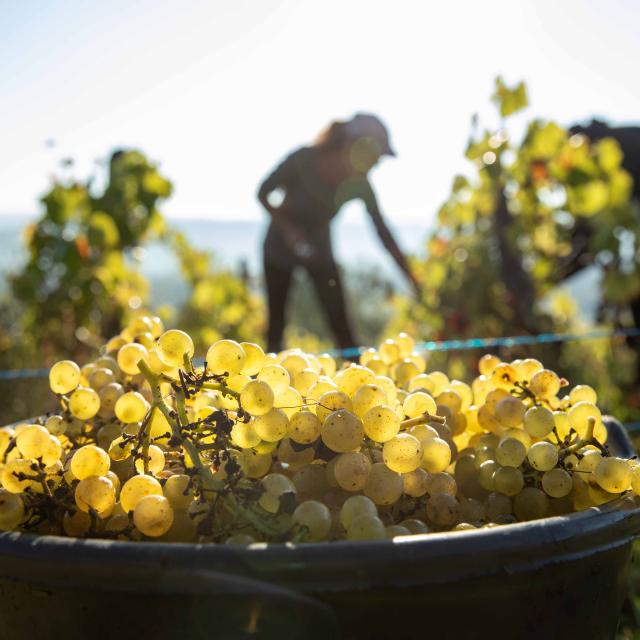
{"type": "Point", "coordinates": [365, 125]}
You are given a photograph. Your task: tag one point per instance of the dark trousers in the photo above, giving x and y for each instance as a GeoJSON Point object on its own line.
{"type": "Point", "coordinates": [328, 285]}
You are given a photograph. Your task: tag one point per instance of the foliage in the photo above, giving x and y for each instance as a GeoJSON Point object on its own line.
{"type": "Point", "coordinates": [80, 281]}
{"type": "Point", "coordinates": [533, 213]}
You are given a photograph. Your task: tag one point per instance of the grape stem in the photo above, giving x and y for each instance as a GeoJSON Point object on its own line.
{"type": "Point", "coordinates": [423, 419]}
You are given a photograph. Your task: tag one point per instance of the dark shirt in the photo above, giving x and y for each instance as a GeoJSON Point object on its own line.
{"type": "Point", "coordinates": [309, 204]}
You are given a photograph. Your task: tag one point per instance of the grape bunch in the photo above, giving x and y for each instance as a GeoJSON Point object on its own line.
{"type": "Point", "coordinates": [149, 445]}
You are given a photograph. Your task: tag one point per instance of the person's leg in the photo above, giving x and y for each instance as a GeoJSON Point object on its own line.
{"type": "Point", "coordinates": [277, 280]}
{"type": "Point", "coordinates": [328, 284]}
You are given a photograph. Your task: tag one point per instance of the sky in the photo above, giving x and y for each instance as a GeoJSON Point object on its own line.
{"type": "Point", "coordinates": [218, 92]}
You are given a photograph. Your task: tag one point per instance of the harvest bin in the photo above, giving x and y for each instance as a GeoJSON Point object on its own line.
{"type": "Point", "coordinates": [559, 577]}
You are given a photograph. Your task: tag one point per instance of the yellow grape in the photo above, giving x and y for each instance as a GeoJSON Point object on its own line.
{"type": "Point", "coordinates": [381, 423]}
{"type": "Point", "coordinates": [225, 357]}
{"type": "Point", "coordinates": [257, 398]}
{"type": "Point", "coordinates": [131, 407]}
{"type": "Point", "coordinates": [136, 488]}
{"type": "Point", "coordinates": [84, 403]}
{"type": "Point", "coordinates": [342, 431]}
{"type": "Point", "coordinates": [64, 377]}
{"type": "Point", "coordinates": [90, 460]}
{"type": "Point", "coordinates": [128, 357]}
{"type": "Point", "coordinates": [95, 492]}
{"type": "Point", "coordinates": [153, 515]}
{"type": "Point", "coordinates": [173, 345]}
{"type": "Point", "coordinates": [403, 453]}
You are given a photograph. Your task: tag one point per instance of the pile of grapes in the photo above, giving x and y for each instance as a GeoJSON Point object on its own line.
{"type": "Point", "coordinates": [286, 447]}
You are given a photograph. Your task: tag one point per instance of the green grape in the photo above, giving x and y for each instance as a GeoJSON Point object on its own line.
{"type": "Point", "coordinates": [405, 343]}
{"type": "Point", "coordinates": [504, 376]}
{"type": "Point", "coordinates": [136, 488]}
{"type": "Point", "coordinates": [510, 452]}
{"type": "Point", "coordinates": [34, 441]}
{"type": "Point", "coordinates": [109, 395]}
{"type": "Point", "coordinates": [518, 434]}
{"type": "Point", "coordinates": [90, 461]}
{"type": "Point", "coordinates": [351, 379]}
{"type": "Point", "coordinates": [342, 431]}
{"type": "Point", "coordinates": [404, 371]}
{"type": "Point", "coordinates": [613, 474]}
{"type": "Point", "coordinates": [276, 377]}
{"type": "Point", "coordinates": [97, 493]}
{"type": "Point", "coordinates": [153, 515]}
{"type": "Point", "coordinates": [395, 530]}
{"type": "Point", "coordinates": [579, 415]}
{"type": "Point", "coordinates": [155, 462]}
{"type": "Point", "coordinates": [366, 527]}
{"type": "Point", "coordinates": [415, 526]}
{"type": "Point", "coordinates": [54, 424]}
{"type": "Point", "coordinates": [583, 393]}
{"type": "Point", "coordinates": [389, 388]}
{"type": "Point", "coordinates": [421, 382]}
{"type": "Point", "coordinates": [464, 526]}
{"type": "Point", "coordinates": [84, 403]}
{"type": "Point", "coordinates": [470, 510]}
{"type": "Point", "coordinates": [367, 397]}
{"type": "Point", "coordinates": [290, 401]}
{"type": "Point", "coordinates": [128, 357]}
{"type": "Point", "coordinates": [271, 426]}
{"type": "Point", "coordinates": [64, 377]}
{"type": "Point", "coordinates": [131, 407]}
{"type": "Point", "coordinates": [403, 453]}
{"type": "Point", "coordinates": [120, 449]}
{"type": "Point", "coordinates": [389, 351]}
{"type": "Point", "coordinates": [508, 480]}
{"type": "Point", "coordinates": [442, 509]}
{"type": "Point", "coordinates": [76, 524]}
{"type": "Point", "coordinates": [304, 427]}
{"type": "Point", "coordinates": [354, 507]}
{"type": "Point", "coordinates": [488, 421]}
{"type": "Point", "coordinates": [238, 382]}
{"type": "Point", "coordinates": [315, 518]}
{"type": "Point", "coordinates": [11, 510]}
{"type": "Point", "coordinates": [179, 491]}
{"type": "Point", "coordinates": [351, 470]}
{"type": "Point", "coordinates": [328, 364]}
{"type": "Point", "coordinates": [275, 485]}
{"type": "Point", "coordinates": [423, 432]}
{"type": "Point", "coordinates": [635, 479]}
{"type": "Point", "coordinates": [590, 461]}
{"type": "Point", "coordinates": [544, 384]}
{"type": "Point", "coordinates": [557, 483]}
{"type": "Point", "coordinates": [173, 345]}
{"type": "Point", "coordinates": [498, 505]}
{"type": "Point", "coordinates": [242, 539]}
{"type": "Point", "coordinates": [254, 464]}
{"type": "Point", "coordinates": [257, 398]}
{"type": "Point", "coordinates": [100, 378]}
{"type": "Point", "coordinates": [415, 483]}
{"type": "Point", "coordinates": [436, 455]}
{"type": "Point", "coordinates": [464, 391]}
{"type": "Point", "coordinates": [294, 362]}
{"type": "Point", "coordinates": [530, 504]}
{"type": "Point", "coordinates": [441, 482]}
{"type": "Point", "coordinates": [324, 385]}
{"type": "Point", "coordinates": [561, 422]}
{"type": "Point", "coordinates": [487, 363]}
{"type": "Point", "coordinates": [311, 482]}
{"type": "Point", "coordinates": [304, 380]}
{"type": "Point", "coordinates": [543, 456]}
{"type": "Point", "coordinates": [451, 399]}
{"type": "Point", "coordinates": [485, 474]}
{"type": "Point", "coordinates": [528, 368]}
{"type": "Point", "coordinates": [225, 357]}
{"type": "Point", "coordinates": [254, 358]}
{"type": "Point", "coordinates": [510, 412]}
{"type": "Point", "coordinates": [244, 435]}
{"type": "Point", "coordinates": [538, 422]}
{"type": "Point", "coordinates": [332, 401]}
{"type": "Point", "coordinates": [417, 404]}
{"type": "Point", "coordinates": [384, 486]}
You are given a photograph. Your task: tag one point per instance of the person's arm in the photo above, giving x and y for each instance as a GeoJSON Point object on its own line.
{"type": "Point", "coordinates": [295, 238]}
{"type": "Point", "coordinates": [389, 242]}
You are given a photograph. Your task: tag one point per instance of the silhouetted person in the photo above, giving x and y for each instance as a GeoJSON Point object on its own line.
{"type": "Point", "coordinates": [315, 182]}
{"type": "Point", "coordinates": [629, 140]}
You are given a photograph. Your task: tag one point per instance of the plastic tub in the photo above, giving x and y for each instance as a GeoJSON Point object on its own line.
{"type": "Point", "coordinates": [559, 577]}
